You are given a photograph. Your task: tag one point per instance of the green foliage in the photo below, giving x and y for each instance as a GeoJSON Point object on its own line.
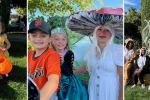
{"type": "Point", "coordinates": [21, 11]}
{"type": "Point", "coordinates": [145, 11]}
{"type": "Point", "coordinates": [5, 10]}
{"type": "Point", "coordinates": [145, 15]}
{"type": "Point", "coordinates": [133, 25]}
{"type": "Point", "coordinates": [59, 7]}
{"type": "Point", "coordinates": [6, 6]}
{"type": "Point", "coordinates": [57, 21]}
{"type": "Point", "coordinates": [133, 17]}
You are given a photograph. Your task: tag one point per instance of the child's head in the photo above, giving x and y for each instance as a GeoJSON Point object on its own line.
{"type": "Point", "coordinates": [39, 34]}
{"type": "Point", "coordinates": [59, 39]}
{"type": "Point", "coordinates": [2, 27]}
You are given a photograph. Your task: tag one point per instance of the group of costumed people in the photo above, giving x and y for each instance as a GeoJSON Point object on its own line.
{"type": "Point", "coordinates": [5, 63]}
{"type": "Point", "coordinates": [137, 64]}
{"type": "Point", "coordinates": [51, 67]}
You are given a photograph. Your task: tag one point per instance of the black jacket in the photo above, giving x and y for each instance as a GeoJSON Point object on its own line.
{"type": "Point", "coordinates": [67, 65]}
{"type": "Point", "coordinates": [147, 64]}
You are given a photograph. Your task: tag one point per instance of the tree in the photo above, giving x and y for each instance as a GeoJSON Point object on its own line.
{"type": "Point", "coordinates": [133, 26]}
{"type": "Point", "coordinates": [6, 5]}
{"type": "Point", "coordinates": [5, 10]}
{"type": "Point", "coordinates": [58, 7]}
{"type": "Point", "coordinates": [145, 15]}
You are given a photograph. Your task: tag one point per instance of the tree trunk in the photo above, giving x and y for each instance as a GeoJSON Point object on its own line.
{"type": "Point", "coordinates": [5, 11]}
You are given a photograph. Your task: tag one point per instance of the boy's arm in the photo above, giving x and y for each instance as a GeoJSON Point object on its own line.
{"type": "Point", "coordinates": [50, 87]}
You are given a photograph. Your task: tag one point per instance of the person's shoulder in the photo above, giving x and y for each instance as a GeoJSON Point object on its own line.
{"type": "Point", "coordinates": [117, 47]}
{"type": "Point", "coordinates": [69, 51]}
{"type": "Point", "coordinates": [31, 51]}
{"type": "Point", "coordinates": [51, 52]}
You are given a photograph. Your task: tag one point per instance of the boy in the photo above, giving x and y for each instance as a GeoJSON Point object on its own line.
{"type": "Point", "coordinates": [43, 62]}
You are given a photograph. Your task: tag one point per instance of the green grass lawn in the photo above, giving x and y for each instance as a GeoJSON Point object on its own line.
{"type": "Point", "coordinates": [15, 87]}
{"type": "Point", "coordinates": [137, 93]}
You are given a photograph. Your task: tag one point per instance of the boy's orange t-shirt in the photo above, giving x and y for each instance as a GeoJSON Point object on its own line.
{"type": "Point", "coordinates": [41, 67]}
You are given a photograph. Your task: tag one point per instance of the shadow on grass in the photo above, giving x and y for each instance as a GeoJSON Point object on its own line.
{"type": "Point", "coordinates": [18, 48]}
{"type": "Point", "coordinates": [18, 74]}
{"type": "Point", "coordinates": [6, 92]}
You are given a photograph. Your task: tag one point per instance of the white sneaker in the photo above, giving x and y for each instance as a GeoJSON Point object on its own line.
{"type": "Point", "coordinates": [133, 86]}
{"type": "Point", "coordinates": [143, 86]}
{"type": "Point", "coordinates": [149, 87]}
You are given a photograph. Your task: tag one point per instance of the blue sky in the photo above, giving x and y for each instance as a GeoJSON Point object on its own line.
{"type": "Point", "coordinates": [108, 3]}
{"type": "Point", "coordinates": [132, 3]}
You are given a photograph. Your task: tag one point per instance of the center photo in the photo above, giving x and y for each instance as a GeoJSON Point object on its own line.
{"type": "Point", "coordinates": [75, 50]}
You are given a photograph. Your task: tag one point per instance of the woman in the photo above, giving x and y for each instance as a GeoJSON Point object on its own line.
{"type": "Point", "coordinates": [128, 50]}
{"type": "Point", "coordinates": [104, 64]}
{"type": "Point", "coordinates": [128, 53]}
{"type": "Point", "coordinates": [4, 45]}
{"type": "Point", "coordinates": [71, 87]}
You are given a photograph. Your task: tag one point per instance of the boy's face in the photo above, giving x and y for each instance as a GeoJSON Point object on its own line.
{"type": "Point", "coordinates": [39, 39]}
{"type": "Point", "coordinates": [59, 41]}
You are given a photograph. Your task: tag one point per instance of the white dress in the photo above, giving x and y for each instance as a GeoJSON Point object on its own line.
{"type": "Point", "coordinates": [104, 79]}
{"type": "Point", "coordinates": [128, 54]}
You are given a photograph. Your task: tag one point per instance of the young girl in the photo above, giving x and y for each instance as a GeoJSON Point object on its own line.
{"type": "Point", "coordinates": [71, 87]}
{"type": "Point", "coordinates": [4, 43]}
{"type": "Point", "coordinates": [128, 53]}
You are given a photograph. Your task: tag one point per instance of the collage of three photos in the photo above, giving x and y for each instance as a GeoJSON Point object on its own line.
{"type": "Point", "coordinates": [75, 50]}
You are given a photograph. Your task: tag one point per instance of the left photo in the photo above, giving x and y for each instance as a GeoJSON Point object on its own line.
{"type": "Point", "coordinates": [13, 50]}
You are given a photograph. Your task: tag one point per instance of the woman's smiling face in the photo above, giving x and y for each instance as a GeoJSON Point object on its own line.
{"type": "Point", "coordinates": [103, 34]}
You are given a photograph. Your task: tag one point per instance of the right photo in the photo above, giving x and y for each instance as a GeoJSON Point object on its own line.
{"type": "Point", "coordinates": [137, 50]}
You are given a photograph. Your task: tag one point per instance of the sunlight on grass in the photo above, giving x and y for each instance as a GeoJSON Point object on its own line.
{"type": "Point", "coordinates": [137, 93]}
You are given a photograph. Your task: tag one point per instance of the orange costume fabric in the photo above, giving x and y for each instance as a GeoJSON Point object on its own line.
{"type": "Point", "coordinates": [42, 66]}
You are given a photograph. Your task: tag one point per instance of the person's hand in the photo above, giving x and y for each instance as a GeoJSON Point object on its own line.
{"type": "Point", "coordinates": [80, 70]}
{"type": "Point", "coordinates": [136, 71]}
{"type": "Point", "coordinates": [76, 70]}
{"type": "Point", "coordinates": [139, 71]}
